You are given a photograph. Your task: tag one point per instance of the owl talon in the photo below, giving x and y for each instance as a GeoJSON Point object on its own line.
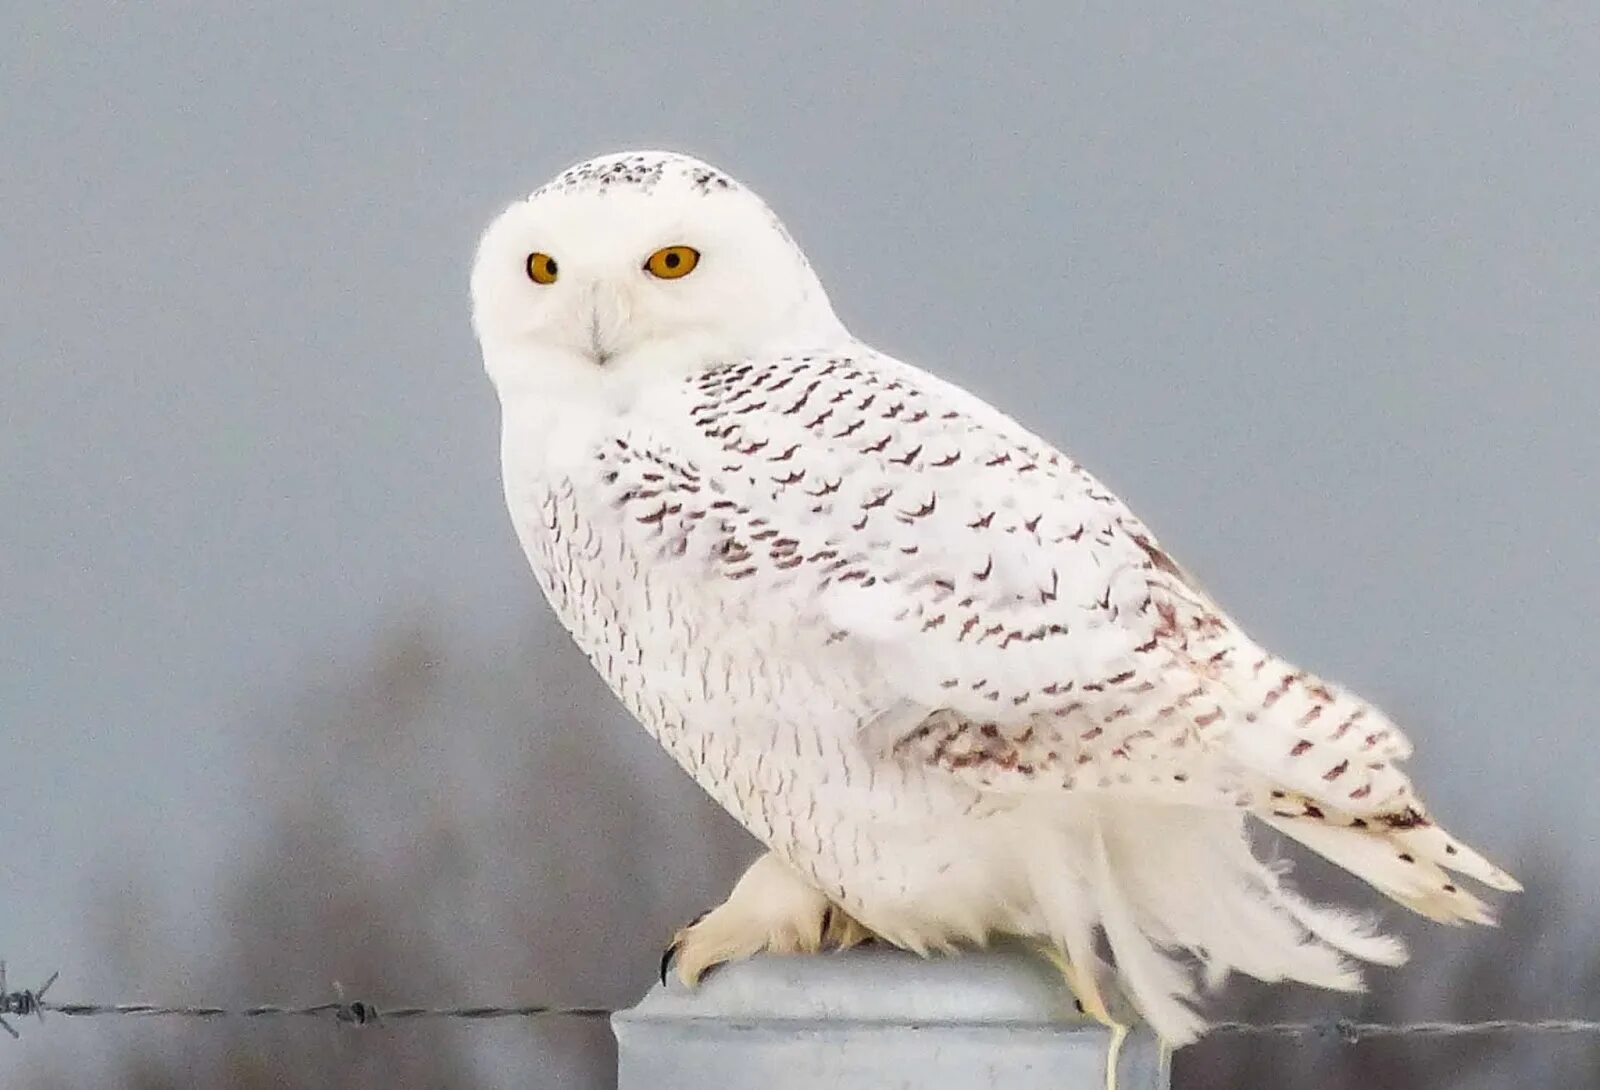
{"type": "Point", "coordinates": [667, 954]}
{"type": "Point", "coordinates": [670, 951]}
{"type": "Point", "coordinates": [771, 909]}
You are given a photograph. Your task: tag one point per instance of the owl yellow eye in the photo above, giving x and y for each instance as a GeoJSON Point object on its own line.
{"type": "Point", "coordinates": [542, 269]}
{"type": "Point", "coordinates": [672, 262]}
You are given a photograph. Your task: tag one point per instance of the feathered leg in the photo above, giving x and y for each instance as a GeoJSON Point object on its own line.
{"type": "Point", "coordinates": [771, 909]}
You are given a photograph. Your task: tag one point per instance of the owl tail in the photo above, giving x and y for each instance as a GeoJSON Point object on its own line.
{"type": "Point", "coordinates": [1404, 856]}
{"type": "Point", "coordinates": [1174, 889]}
{"type": "Point", "coordinates": [1329, 765]}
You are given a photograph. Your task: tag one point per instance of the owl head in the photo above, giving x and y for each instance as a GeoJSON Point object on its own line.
{"type": "Point", "coordinates": [634, 266]}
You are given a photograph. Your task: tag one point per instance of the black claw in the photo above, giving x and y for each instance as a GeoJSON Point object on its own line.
{"type": "Point", "coordinates": [672, 947]}
{"type": "Point", "coordinates": [666, 961]}
{"type": "Point", "coordinates": [827, 922]}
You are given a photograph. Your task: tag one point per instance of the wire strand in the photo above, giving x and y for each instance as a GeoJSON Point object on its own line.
{"type": "Point", "coordinates": [32, 1001]}
{"type": "Point", "coordinates": [1350, 1032]}
{"type": "Point", "coordinates": [357, 1012]}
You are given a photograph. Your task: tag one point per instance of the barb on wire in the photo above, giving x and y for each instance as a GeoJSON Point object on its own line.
{"type": "Point", "coordinates": [23, 1003]}
{"type": "Point", "coordinates": [358, 1013]}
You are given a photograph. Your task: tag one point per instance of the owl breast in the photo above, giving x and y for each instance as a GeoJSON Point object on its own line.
{"type": "Point", "coordinates": [772, 736]}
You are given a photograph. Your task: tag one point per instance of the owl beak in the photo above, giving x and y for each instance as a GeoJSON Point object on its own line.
{"type": "Point", "coordinates": [604, 318]}
{"type": "Point", "coordinates": [597, 340]}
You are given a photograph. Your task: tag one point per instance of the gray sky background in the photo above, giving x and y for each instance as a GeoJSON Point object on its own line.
{"type": "Point", "coordinates": [1316, 287]}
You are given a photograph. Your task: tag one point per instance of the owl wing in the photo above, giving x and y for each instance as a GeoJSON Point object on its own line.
{"type": "Point", "coordinates": [1030, 631]}
{"type": "Point", "coordinates": [1018, 629]}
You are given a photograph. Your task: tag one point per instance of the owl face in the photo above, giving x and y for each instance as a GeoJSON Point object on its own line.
{"type": "Point", "coordinates": [636, 265]}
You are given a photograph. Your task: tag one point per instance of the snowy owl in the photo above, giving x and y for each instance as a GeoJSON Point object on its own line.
{"type": "Point", "coordinates": [952, 683]}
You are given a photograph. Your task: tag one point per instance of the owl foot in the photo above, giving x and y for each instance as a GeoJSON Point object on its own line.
{"type": "Point", "coordinates": [771, 909]}
{"type": "Point", "coordinates": [1086, 992]}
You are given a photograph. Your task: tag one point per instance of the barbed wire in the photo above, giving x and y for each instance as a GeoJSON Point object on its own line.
{"type": "Point", "coordinates": [32, 1001]}
{"type": "Point", "coordinates": [357, 1012]}
{"type": "Point", "coordinates": [1350, 1032]}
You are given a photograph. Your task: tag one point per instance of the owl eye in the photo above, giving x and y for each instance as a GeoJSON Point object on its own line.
{"type": "Point", "coordinates": [542, 269]}
{"type": "Point", "coordinates": [671, 262]}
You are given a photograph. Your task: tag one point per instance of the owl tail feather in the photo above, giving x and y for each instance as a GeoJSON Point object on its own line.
{"type": "Point", "coordinates": [1408, 865]}
{"type": "Point", "coordinates": [1175, 890]}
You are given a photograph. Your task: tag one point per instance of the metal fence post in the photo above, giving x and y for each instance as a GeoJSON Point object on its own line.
{"type": "Point", "coordinates": [874, 1018]}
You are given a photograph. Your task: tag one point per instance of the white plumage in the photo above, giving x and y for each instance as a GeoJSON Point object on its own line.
{"type": "Point", "coordinates": [955, 686]}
